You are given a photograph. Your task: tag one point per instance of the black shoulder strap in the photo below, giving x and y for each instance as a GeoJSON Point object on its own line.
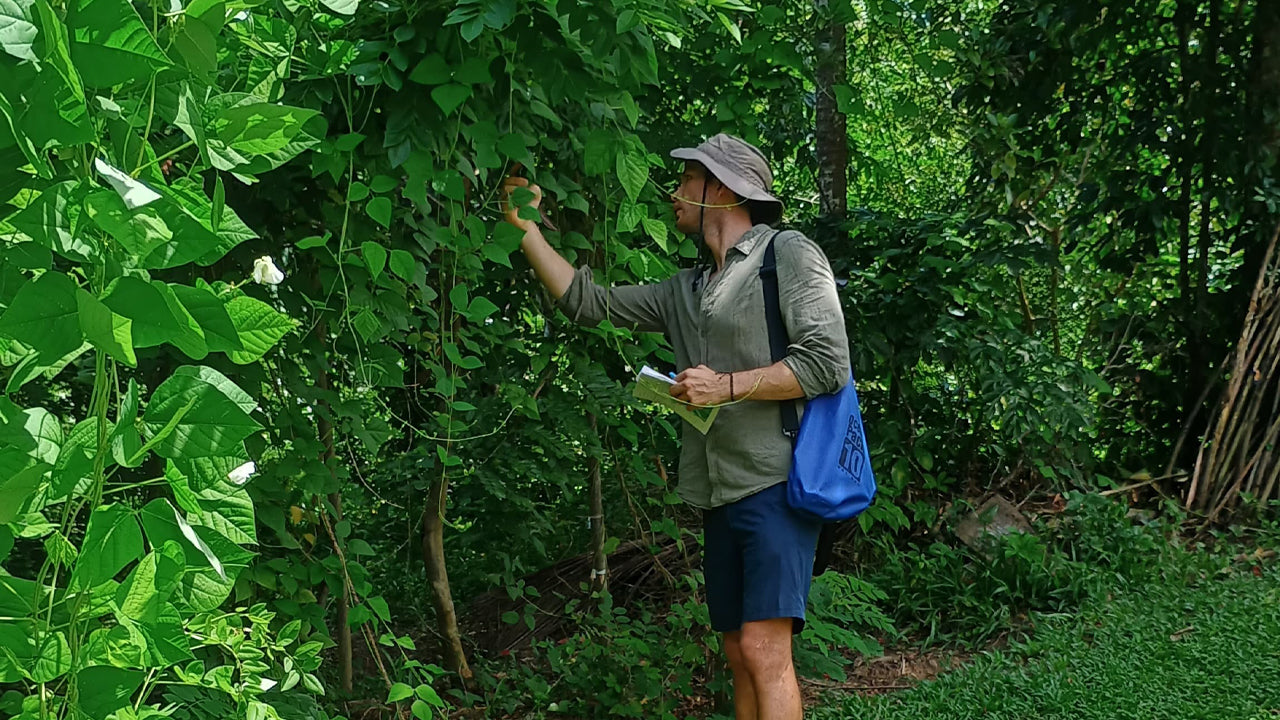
{"type": "Point", "coordinates": [777, 330]}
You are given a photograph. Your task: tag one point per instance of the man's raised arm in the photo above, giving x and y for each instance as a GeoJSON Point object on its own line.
{"type": "Point", "coordinates": [553, 270]}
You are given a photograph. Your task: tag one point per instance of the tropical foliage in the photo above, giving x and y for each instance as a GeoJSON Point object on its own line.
{"type": "Point", "coordinates": [284, 409]}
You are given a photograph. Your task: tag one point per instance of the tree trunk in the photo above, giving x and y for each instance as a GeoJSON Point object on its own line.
{"type": "Point", "coordinates": [599, 559]}
{"type": "Point", "coordinates": [831, 136]}
{"type": "Point", "coordinates": [455, 657]}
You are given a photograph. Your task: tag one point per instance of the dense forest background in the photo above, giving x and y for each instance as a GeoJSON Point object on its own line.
{"type": "Point", "coordinates": [398, 478]}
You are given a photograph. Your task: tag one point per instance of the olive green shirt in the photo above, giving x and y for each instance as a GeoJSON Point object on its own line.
{"type": "Point", "coordinates": [719, 322]}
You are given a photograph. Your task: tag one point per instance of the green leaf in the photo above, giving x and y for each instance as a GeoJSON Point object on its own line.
{"type": "Point", "coordinates": [258, 326]}
{"type": "Point", "coordinates": [17, 32]}
{"type": "Point", "coordinates": [656, 230]}
{"type": "Point", "coordinates": [431, 70]}
{"type": "Point", "coordinates": [164, 524]}
{"type": "Point", "coordinates": [474, 71]}
{"type": "Point", "coordinates": [403, 264]}
{"type": "Point", "coordinates": [480, 309]}
{"type": "Point", "coordinates": [52, 659]}
{"type": "Point", "coordinates": [380, 608]}
{"type": "Point", "coordinates": [22, 478]}
{"type": "Point", "coordinates": [427, 693]}
{"type": "Point", "coordinates": [107, 331]}
{"type": "Point", "coordinates": [342, 7]}
{"type": "Point", "coordinates": [633, 171]}
{"type": "Point", "coordinates": [217, 504]}
{"type": "Point", "coordinates": [190, 119]}
{"type": "Point", "coordinates": [53, 220]}
{"type": "Point", "coordinates": [399, 692]}
{"type": "Point", "coordinates": [375, 258]}
{"type": "Point", "coordinates": [379, 209]}
{"type": "Point", "coordinates": [196, 38]}
{"type": "Point", "coordinates": [450, 97]}
{"type": "Point", "coordinates": [208, 415]}
{"type": "Point", "coordinates": [113, 688]}
{"type": "Point", "coordinates": [110, 45]}
{"type": "Point", "coordinates": [153, 581]}
{"type": "Point", "coordinates": [366, 323]}
{"type": "Point", "coordinates": [43, 317]}
{"type": "Point", "coordinates": [144, 304]}
{"type": "Point", "coordinates": [598, 152]}
{"type": "Point", "coordinates": [250, 136]}
{"type": "Point", "coordinates": [211, 314]}
{"type": "Point", "coordinates": [190, 338]}
{"type": "Point", "coordinates": [167, 643]}
{"type": "Point", "coordinates": [112, 541]}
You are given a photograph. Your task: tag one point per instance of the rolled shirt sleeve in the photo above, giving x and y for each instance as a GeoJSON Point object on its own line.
{"type": "Point", "coordinates": [819, 351]}
{"type": "Point", "coordinates": [642, 307]}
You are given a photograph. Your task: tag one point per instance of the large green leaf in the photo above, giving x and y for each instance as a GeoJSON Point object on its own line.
{"type": "Point", "coordinates": [173, 231]}
{"type": "Point", "coordinates": [197, 216]}
{"type": "Point", "coordinates": [167, 643]}
{"type": "Point", "coordinates": [164, 523]}
{"type": "Point", "coordinates": [111, 689]}
{"type": "Point", "coordinates": [195, 40]}
{"type": "Point", "coordinates": [22, 477]}
{"type": "Point", "coordinates": [148, 588]}
{"type": "Point", "coordinates": [141, 302]}
{"type": "Point", "coordinates": [143, 233]}
{"type": "Point", "coordinates": [107, 331]}
{"type": "Point", "coordinates": [190, 119]}
{"type": "Point", "coordinates": [220, 332]}
{"type": "Point", "coordinates": [17, 31]}
{"type": "Point", "coordinates": [218, 504]}
{"type": "Point", "coordinates": [250, 136]}
{"type": "Point", "coordinates": [111, 542]}
{"type": "Point", "coordinates": [110, 45]}
{"type": "Point", "coordinates": [259, 327]}
{"type": "Point", "coordinates": [43, 317]}
{"type": "Point", "coordinates": [52, 659]}
{"type": "Point", "coordinates": [56, 113]}
{"type": "Point", "coordinates": [53, 220]}
{"type": "Point", "coordinates": [199, 413]}
{"type": "Point", "coordinates": [633, 171]}
{"type": "Point", "coordinates": [190, 339]}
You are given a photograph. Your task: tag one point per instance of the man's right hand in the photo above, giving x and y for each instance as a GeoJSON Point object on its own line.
{"type": "Point", "coordinates": [513, 209]}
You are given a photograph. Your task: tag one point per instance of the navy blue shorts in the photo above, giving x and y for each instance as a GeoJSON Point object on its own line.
{"type": "Point", "coordinates": [758, 560]}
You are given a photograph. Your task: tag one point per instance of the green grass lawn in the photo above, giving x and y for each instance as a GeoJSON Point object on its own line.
{"type": "Point", "coordinates": [1129, 656]}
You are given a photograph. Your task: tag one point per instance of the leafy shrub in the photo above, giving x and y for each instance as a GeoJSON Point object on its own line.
{"type": "Point", "coordinates": [955, 594]}
{"type": "Point", "coordinates": [619, 662]}
{"type": "Point", "coordinates": [844, 614]}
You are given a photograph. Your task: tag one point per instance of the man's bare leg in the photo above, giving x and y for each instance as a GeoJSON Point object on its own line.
{"type": "Point", "coordinates": [766, 654]}
{"type": "Point", "coordinates": [744, 692]}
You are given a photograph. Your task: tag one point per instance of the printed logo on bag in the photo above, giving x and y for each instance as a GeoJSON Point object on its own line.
{"type": "Point", "coordinates": [852, 459]}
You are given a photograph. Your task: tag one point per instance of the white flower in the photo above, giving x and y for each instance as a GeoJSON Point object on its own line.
{"type": "Point", "coordinates": [134, 193]}
{"type": "Point", "coordinates": [242, 474]}
{"type": "Point", "coordinates": [265, 684]}
{"type": "Point", "coordinates": [265, 271]}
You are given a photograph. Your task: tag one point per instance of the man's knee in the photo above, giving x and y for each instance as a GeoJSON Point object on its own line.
{"type": "Point", "coordinates": [733, 650]}
{"type": "Point", "coordinates": [765, 647]}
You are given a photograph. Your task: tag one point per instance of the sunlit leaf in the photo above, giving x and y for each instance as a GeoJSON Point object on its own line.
{"type": "Point", "coordinates": [208, 414]}
{"type": "Point", "coordinates": [110, 45]}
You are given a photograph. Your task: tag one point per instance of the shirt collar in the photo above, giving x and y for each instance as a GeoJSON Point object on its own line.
{"type": "Point", "coordinates": [751, 238]}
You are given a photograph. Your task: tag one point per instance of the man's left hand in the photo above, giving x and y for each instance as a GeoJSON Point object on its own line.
{"type": "Point", "coordinates": [701, 386]}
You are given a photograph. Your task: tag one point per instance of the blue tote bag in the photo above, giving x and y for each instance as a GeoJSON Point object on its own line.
{"type": "Point", "coordinates": [831, 474]}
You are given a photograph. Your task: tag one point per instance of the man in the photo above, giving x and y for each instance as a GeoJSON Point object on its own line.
{"type": "Point", "coordinates": [758, 552]}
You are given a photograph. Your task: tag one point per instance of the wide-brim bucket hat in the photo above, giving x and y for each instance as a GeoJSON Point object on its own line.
{"type": "Point", "coordinates": [736, 163]}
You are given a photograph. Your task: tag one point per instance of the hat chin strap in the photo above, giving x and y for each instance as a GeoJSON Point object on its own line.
{"type": "Point", "coordinates": [695, 203]}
